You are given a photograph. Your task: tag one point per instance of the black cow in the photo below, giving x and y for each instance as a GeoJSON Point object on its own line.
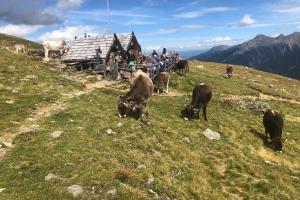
{"type": "Point", "coordinates": [182, 66]}
{"type": "Point", "coordinates": [273, 124]}
{"type": "Point", "coordinates": [137, 98]}
{"type": "Point", "coordinates": [201, 96]}
{"type": "Point", "coordinates": [229, 71]}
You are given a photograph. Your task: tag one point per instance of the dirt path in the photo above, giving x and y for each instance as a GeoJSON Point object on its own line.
{"type": "Point", "coordinates": [31, 123]}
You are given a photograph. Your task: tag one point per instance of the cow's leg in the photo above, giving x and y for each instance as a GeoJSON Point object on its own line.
{"type": "Point", "coordinates": [204, 112]}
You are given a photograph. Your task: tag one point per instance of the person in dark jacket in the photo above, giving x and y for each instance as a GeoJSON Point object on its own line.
{"type": "Point", "coordinates": [154, 53]}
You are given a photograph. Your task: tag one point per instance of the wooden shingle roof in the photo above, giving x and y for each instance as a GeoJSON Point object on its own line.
{"type": "Point", "coordinates": [125, 39]}
{"type": "Point", "coordinates": [85, 48]}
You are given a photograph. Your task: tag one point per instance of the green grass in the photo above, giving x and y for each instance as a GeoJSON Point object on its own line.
{"type": "Point", "coordinates": [232, 168]}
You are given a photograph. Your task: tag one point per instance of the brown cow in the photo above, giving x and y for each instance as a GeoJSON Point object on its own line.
{"type": "Point", "coordinates": [229, 71]}
{"type": "Point", "coordinates": [136, 100]}
{"type": "Point", "coordinates": [273, 124]}
{"type": "Point", "coordinates": [201, 96]}
{"type": "Point", "coordinates": [161, 82]}
{"type": "Point", "coordinates": [182, 66]}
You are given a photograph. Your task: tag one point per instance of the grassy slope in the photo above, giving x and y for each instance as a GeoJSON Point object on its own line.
{"type": "Point", "coordinates": [232, 168]}
{"type": "Point", "coordinates": [10, 41]}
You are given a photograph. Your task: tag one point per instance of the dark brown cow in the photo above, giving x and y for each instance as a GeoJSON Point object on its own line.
{"type": "Point", "coordinates": [182, 66]}
{"type": "Point", "coordinates": [201, 96]}
{"type": "Point", "coordinates": [136, 100]}
{"type": "Point", "coordinates": [229, 71]}
{"type": "Point", "coordinates": [161, 82]}
{"type": "Point", "coordinates": [273, 124]}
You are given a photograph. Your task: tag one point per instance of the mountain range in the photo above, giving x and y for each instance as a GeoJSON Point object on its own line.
{"type": "Point", "coordinates": [279, 55]}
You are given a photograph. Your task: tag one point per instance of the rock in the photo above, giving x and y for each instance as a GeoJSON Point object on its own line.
{"type": "Point", "coordinates": [99, 77]}
{"type": "Point", "coordinates": [119, 124]}
{"type": "Point", "coordinates": [186, 139]}
{"type": "Point", "coordinates": [271, 86]}
{"type": "Point", "coordinates": [2, 153]}
{"type": "Point", "coordinates": [2, 189]}
{"type": "Point", "coordinates": [200, 66]}
{"type": "Point", "coordinates": [7, 144]}
{"type": "Point", "coordinates": [31, 77]}
{"type": "Point", "coordinates": [75, 190]}
{"type": "Point", "coordinates": [150, 180]}
{"type": "Point", "coordinates": [112, 191]}
{"type": "Point", "coordinates": [32, 128]}
{"type": "Point", "coordinates": [186, 119]}
{"type": "Point", "coordinates": [0, 146]}
{"type": "Point", "coordinates": [50, 176]}
{"type": "Point", "coordinates": [90, 77]}
{"type": "Point", "coordinates": [154, 193]}
{"type": "Point", "coordinates": [10, 102]}
{"type": "Point", "coordinates": [141, 166]}
{"type": "Point", "coordinates": [109, 131]}
{"type": "Point", "coordinates": [56, 134]}
{"type": "Point", "coordinates": [79, 93]}
{"type": "Point", "coordinates": [14, 91]}
{"type": "Point", "coordinates": [211, 135]}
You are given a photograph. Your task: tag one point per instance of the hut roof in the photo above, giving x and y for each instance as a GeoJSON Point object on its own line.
{"type": "Point", "coordinates": [125, 39]}
{"type": "Point", "coordinates": [85, 48]}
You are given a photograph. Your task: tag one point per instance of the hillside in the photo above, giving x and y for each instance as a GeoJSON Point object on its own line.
{"type": "Point", "coordinates": [278, 55]}
{"type": "Point", "coordinates": [54, 133]}
{"type": "Point", "coordinates": [9, 42]}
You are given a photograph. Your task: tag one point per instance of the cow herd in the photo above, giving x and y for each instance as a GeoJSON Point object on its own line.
{"type": "Point", "coordinates": [135, 102]}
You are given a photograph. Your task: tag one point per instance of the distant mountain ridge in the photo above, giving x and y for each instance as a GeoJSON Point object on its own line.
{"type": "Point", "coordinates": [280, 55]}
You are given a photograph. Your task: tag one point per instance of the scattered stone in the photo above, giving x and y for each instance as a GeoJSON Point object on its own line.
{"type": "Point", "coordinates": [10, 102]}
{"type": "Point", "coordinates": [75, 190]}
{"type": "Point", "coordinates": [200, 66]}
{"type": "Point", "coordinates": [269, 162]}
{"type": "Point", "coordinates": [109, 131]}
{"type": "Point", "coordinates": [150, 180]}
{"type": "Point", "coordinates": [79, 93]}
{"type": "Point", "coordinates": [154, 193]}
{"type": "Point", "coordinates": [271, 86]}
{"type": "Point", "coordinates": [221, 169]}
{"type": "Point", "coordinates": [186, 119]}
{"type": "Point", "coordinates": [112, 191]}
{"type": "Point", "coordinates": [99, 77]}
{"type": "Point", "coordinates": [30, 77]}
{"type": "Point", "coordinates": [211, 135]}
{"type": "Point", "coordinates": [186, 139]}
{"type": "Point", "coordinates": [252, 104]}
{"type": "Point", "coordinates": [14, 91]}
{"type": "Point", "coordinates": [56, 134]}
{"type": "Point", "coordinates": [119, 124]}
{"type": "Point", "coordinates": [2, 153]}
{"type": "Point", "coordinates": [90, 77]}
{"type": "Point", "coordinates": [141, 166]}
{"type": "Point", "coordinates": [2, 189]}
{"type": "Point", "coordinates": [32, 128]}
{"type": "Point", "coordinates": [50, 176]}
{"type": "Point", "coordinates": [7, 144]}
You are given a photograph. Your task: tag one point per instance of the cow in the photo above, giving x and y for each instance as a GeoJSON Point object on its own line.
{"type": "Point", "coordinates": [20, 48]}
{"type": "Point", "coordinates": [201, 96]}
{"type": "Point", "coordinates": [60, 46]}
{"type": "Point", "coordinates": [273, 124]}
{"type": "Point", "coordinates": [136, 100]}
{"type": "Point", "coordinates": [161, 82]}
{"type": "Point", "coordinates": [229, 71]}
{"type": "Point", "coordinates": [182, 66]}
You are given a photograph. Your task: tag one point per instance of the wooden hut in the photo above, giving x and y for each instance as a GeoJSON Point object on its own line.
{"type": "Point", "coordinates": [95, 52]}
{"type": "Point", "coordinates": [130, 42]}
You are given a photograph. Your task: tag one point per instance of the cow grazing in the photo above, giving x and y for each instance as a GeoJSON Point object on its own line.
{"type": "Point", "coordinates": [60, 46]}
{"type": "Point", "coordinates": [136, 100]}
{"type": "Point", "coordinates": [229, 71]}
{"type": "Point", "coordinates": [20, 48]}
{"type": "Point", "coordinates": [201, 96]}
{"type": "Point", "coordinates": [182, 66]}
{"type": "Point", "coordinates": [273, 124]}
{"type": "Point", "coordinates": [161, 82]}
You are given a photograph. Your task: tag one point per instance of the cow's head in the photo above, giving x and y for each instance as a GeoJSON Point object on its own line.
{"type": "Point", "coordinates": [124, 106]}
{"type": "Point", "coordinates": [190, 112]}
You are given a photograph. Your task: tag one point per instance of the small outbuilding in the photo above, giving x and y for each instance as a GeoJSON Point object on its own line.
{"type": "Point", "coordinates": [129, 42]}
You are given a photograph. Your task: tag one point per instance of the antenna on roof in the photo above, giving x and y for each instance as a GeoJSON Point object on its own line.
{"type": "Point", "coordinates": [109, 26]}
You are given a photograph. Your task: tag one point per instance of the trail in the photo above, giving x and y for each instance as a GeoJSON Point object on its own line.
{"type": "Point", "coordinates": [31, 123]}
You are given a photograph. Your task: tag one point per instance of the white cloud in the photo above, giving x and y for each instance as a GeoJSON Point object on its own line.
{"type": "Point", "coordinates": [68, 33]}
{"type": "Point", "coordinates": [69, 4]}
{"type": "Point", "coordinates": [19, 30]}
{"type": "Point", "coordinates": [178, 29]}
{"type": "Point", "coordinates": [211, 42]}
{"type": "Point", "coordinates": [203, 11]}
{"type": "Point", "coordinates": [247, 21]}
{"type": "Point", "coordinates": [139, 22]}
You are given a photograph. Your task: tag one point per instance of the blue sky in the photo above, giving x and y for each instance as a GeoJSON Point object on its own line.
{"type": "Point", "coordinates": [177, 24]}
